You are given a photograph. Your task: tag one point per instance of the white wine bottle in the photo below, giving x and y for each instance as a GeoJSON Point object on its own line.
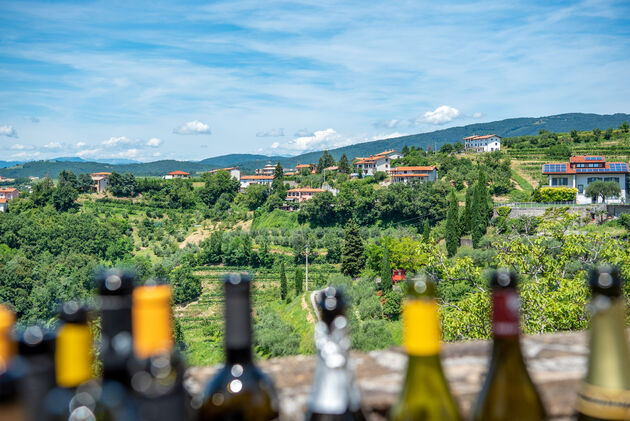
{"type": "Point", "coordinates": [508, 393]}
{"type": "Point", "coordinates": [425, 395]}
{"type": "Point", "coordinates": [335, 395]}
{"type": "Point", "coordinates": [605, 393]}
{"type": "Point", "coordinates": [239, 391]}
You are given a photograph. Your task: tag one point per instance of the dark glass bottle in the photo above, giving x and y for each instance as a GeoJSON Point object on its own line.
{"type": "Point", "coordinates": [239, 391]}
{"type": "Point", "coordinates": [37, 358]}
{"type": "Point", "coordinates": [115, 288]}
{"type": "Point", "coordinates": [335, 395]}
{"type": "Point", "coordinates": [508, 393]}
{"type": "Point", "coordinates": [159, 369]}
{"type": "Point", "coordinates": [10, 406]}
{"type": "Point", "coordinates": [425, 395]}
{"type": "Point", "coordinates": [76, 394]}
{"type": "Point", "coordinates": [605, 393]}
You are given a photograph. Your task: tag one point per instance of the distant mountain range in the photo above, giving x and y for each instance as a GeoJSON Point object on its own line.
{"type": "Point", "coordinates": [505, 128]}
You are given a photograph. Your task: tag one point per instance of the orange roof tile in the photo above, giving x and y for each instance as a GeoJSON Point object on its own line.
{"type": "Point", "coordinates": [306, 190]}
{"type": "Point", "coordinates": [257, 177]}
{"type": "Point", "coordinates": [178, 173]}
{"type": "Point", "coordinates": [428, 168]}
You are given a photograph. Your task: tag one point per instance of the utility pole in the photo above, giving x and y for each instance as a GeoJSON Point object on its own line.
{"type": "Point", "coordinates": [307, 267]}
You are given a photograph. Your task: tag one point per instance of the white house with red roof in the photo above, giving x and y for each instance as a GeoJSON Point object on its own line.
{"type": "Point", "coordinates": [101, 181]}
{"type": "Point", "coordinates": [176, 174]}
{"type": "Point", "coordinates": [247, 180]}
{"type": "Point", "coordinates": [302, 194]}
{"type": "Point", "coordinates": [580, 171]}
{"type": "Point", "coordinates": [6, 194]}
{"type": "Point", "coordinates": [413, 174]}
{"type": "Point", "coordinates": [373, 163]}
{"type": "Point", "coordinates": [483, 143]}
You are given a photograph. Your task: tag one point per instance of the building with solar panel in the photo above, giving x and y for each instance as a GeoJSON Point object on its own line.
{"type": "Point", "coordinates": [580, 171]}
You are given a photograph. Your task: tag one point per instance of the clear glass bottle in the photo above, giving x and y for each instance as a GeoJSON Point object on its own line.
{"type": "Point", "coordinates": [425, 395]}
{"type": "Point", "coordinates": [239, 391]}
{"type": "Point", "coordinates": [335, 395]}
{"type": "Point", "coordinates": [508, 393]}
{"type": "Point", "coordinates": [605, 393]}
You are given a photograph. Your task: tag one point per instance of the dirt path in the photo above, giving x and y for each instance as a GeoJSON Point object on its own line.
{"type": "Point", "coordinates": [309, 316]}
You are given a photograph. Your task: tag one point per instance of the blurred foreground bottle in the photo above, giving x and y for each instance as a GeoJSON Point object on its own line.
{"type": "Point", "coordinates": [425, 394]}
{"type": "Point", "coordinates": [77, 392]}
{"type": "Point", "coordinates": [239, 391]}
{"type": "Point", "coordinates": [158, 378]}
{"type": "Point", "coordinates": [37, 358]}
{"type": "Point", "coordinates": [115, 288]}
{"type": "Point", "coordinates": [10, 405]}
{"type": "Point", "coordinates": [508, 393]}
{"type": "Point", "coordinates": [335, 396]}
{"type": "Point", "coordinates": [605, 393]}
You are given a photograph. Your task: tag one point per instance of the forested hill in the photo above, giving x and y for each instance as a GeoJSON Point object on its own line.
{"type": "Point", "coordinates": [505, 128]}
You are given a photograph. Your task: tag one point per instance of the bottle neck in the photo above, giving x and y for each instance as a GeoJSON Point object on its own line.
{"type": "Point", "coordinates": [421, 327]}
{"type": "Point", "coordinates": [152, 321]}
{"type": "Point", "coordinates": [238, 321]}
{"type": "Point", "coordinates": [241, 356]}
{"type": "Point", "coordinates": [505, 314]}
{"type": "Point", "coordinates": [116, 336]}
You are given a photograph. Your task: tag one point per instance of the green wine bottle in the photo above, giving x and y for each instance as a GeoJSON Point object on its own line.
{"type": "Point", "coordinates": [425, 394]}
{"type": "Point", "coordinates": [605, 393]}
{"type": "Point", "coordinates": [239, 391]}
{"type": "Point", "coordinates": [508, 393]}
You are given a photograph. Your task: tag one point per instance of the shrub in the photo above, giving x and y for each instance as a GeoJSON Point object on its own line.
{"type": "Point", "coordinates": [392, 306]}
{"type": "Point", "coordinates": [554, 194]}
{"type": "Point", "coordinates": [370, 308]}
{"type": "Point", "coordinates": [624, 220]}
{"type": "Point", "coordinates": [504, 211]}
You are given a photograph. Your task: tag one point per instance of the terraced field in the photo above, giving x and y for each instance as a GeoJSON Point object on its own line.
{"type": "Point", "coordinates": [202, 320]}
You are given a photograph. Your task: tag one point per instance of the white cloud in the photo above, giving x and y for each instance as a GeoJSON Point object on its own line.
{"type": "Point", "coordinates": [8, 131]}
{"type": "Point", "coordinates": [386, 124]}
{"type": "Point", "coordinates": [271, 133]}
{"type": "Point", "coordinates": [154, 142]}
{"type": "Point", "coordinates": [193, 127]}
{"type": "Point", "coordinates": [275, 145]}
{"type": "Point", "coordinates": [20, 147]}
{"type": "Point", "coordinates": [129, 153]}
{"type": "Point", "coordinates": [53, 146]}
{"type": "Point", "coordinates": [156, 154]}
{"type": "Point", "coordinates": [477, 115]}
{"type": "Point", "coordinates": [80, 145]}
{"type": "Point", "coordinates": [119, 141]}
{"type": "Point", "coordinates": [321, 139]}
{"type": "Point", "coordinates": [25, 155]}
{"type": "Point", "coordinates": [441, 115]}
{"type": "Point", "coordinates": [303, 133]}
{"type": "Point", "coordinates": [88, 152]}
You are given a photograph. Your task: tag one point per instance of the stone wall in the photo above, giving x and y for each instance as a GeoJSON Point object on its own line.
{"type": "Point", "coordinates": [557, 363]}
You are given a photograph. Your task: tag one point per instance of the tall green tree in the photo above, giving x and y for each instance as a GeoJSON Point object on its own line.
{"type": "Point", "coordinates": [480, 209]}
{"type": "Point", "coordinates": [344, 165]}
{"type": "Point", "coordinates": [624, 127]}
{"type": "Point", "coordinates": [325, 161]}
{"type": "Point", "coordinates": [353, 258]}
{"type": "Point", "coordinates": [386, 271]}
{"type": "Point", "coordinates": [219, 184]}
{"type": "Point", "coordinates": [278, 172]}
{"type": "Point", "coordinates": [465, 217]}
{"type": "Point", "coordinates": [84, 182]}
{"type": "Point", "coordinates": [42, 192]}
{"type": "Point", "coordinates": [283, 282]}
{"type": "Point", "coordinates": [452, 225]}
{"type": "Point", "coordinates": [299, 280]}
{"type": "Point", "coordinates": [597, 132]}
{"type": "Point", "coordinates": [64, 198]}
{"type": "Point", "coordinates": [426, 232]}
{"type": "Point", "coordinates": [608, 133]}
{"type": "Point", "coordinates": [67, 177]}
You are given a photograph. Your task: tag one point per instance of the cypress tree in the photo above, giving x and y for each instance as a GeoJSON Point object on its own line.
{"type": "Point", "coordinates": [426, 231]}
{"type": "Point", "coordinates": [278, 173]}
{"type": "Point", "coordinates": [344, 165]}
{"type": "Point", "coordinates": [299, 281]}
{"type": "Point", "coordinates": [283, 282]}
{"type": "Point", "coordinates": [386, 271]}
{"type": "Point", "coordinates": [352, 259]}
{"type": "Point", "coordinates": [452, 222]}
{"type": "Point", "coordinates": [479, 210]}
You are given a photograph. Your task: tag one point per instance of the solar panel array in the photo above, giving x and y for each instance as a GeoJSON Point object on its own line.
{"type": "Point", "coordinates": [594, 158]}
{"type": "Point", "coordinates": [555, 168]}
{"type": "Point", "coordinates": [619, 166]}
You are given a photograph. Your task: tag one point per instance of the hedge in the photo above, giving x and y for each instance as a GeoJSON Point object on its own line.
{"type": "Point", "coordinates": [554, 194]}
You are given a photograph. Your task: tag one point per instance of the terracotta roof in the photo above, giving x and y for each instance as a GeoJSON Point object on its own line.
{"type": "Point", "coordinates": [306, 190]}
{"type": "Point", "coordinates": [298, 166]}
{"type": "Point", "coordinates": [7, 189]}
{"type": "Point", "coordinates": [289, 173]}
{"type": "Point", "coordinates": [477, 137]}
{"type": "Point", "coordinates": [583, 159]}
{"type": "Point", "coordinates": [333, 168]}
{"type": "Point", "coordinates": [410, 175]}
{"type": "Point", "coordinates": [429, 168]}
{"type": "Point", "coordinates": [101, 173]}
{"type": "Point", "coordinates": [257, 177]}
{"type": "Point", "coordinates": [178, 173]}
{"type": "Point", "coordinates": [3, 200]}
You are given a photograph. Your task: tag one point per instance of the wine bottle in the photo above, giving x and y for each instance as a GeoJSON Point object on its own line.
{"type": "Point", "coordinates": [10, 406]}
{"type": "Point", "coordinates": [115, 288]}
{"type": "Point", "coordinates": [36, 347]}
{"type": "Point", "coordinates": [425, 394]}
{"type": "Point", "coordinates": [158, 376]}
{"type": "Point", "coordinates": [605, 393]}
{"type": "Point", "coordinates": [239, 391]}
{"type": "Point", "coordinates": [508, 393]}
{"type": "Point", "coordinates": [335, 395]}
{"type": "Point", "coordinates": [76, 394]}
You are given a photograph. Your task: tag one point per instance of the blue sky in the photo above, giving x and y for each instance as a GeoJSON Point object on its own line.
{"type": "Point", "coordinates": [190, 80]}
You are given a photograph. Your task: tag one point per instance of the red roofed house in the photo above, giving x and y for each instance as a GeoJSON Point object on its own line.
{"type": "Point", "coordinates": [101, 181]}
{"type": "Point", "coordinates": [411, 174]}
{"type": "Point", "coordinates": [176, 174]}
{"type": "Point", "coordinates": [247, 180]}
{"type": "Point", "coordinates": [374, 163]}
{"type": "Point", "coordinates": [485, 143]}
{"type": "Point", "coordinates": [6, 194]}
{"type": "Point", "coordinates": [580, 171]}
{"type": "Point", "coordinates": [302, 194]}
